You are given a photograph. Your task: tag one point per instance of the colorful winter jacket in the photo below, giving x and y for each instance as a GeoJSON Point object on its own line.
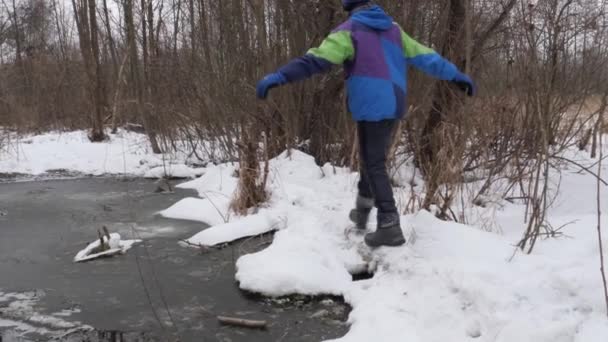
{"type": "Point", "coordinates": [375, 53]}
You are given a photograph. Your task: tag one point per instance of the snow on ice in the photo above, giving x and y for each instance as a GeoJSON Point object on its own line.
{"type": "Point", "coordinates": [17, 312]}
{"type": "Point", "coordinates": [253, 225]}
{"type": "Point", "coordinates": [115, 243]}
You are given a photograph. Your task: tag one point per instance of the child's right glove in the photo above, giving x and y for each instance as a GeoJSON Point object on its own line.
{"type": "Point", "coordinates": [465, 83]}
{"type": "Point", "coordinates": [269, 82]}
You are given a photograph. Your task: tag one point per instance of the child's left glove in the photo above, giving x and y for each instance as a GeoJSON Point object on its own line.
{"type": "Point", "coordinates": [465, 83]}
{"type": "Point", "coordinates": [269, 82]}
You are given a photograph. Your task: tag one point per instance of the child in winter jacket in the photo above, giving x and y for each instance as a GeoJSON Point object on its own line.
{"type": "Point", "coordinates": [375, 52]}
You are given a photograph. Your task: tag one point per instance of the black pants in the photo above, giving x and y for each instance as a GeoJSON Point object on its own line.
{"type": "Point", "coordinates": [374, 142]}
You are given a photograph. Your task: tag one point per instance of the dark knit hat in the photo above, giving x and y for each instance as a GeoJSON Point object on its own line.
{"type": "Point", "coordinates": [349, 5]}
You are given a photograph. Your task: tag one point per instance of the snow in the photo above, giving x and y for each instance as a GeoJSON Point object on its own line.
{"type": "Point", "coordinates": [253, 225]}
{"type": "Point", "coordinates": [211, 212]}
{"type": "Point", "coordinates": [216, 187]}
{"type": "Point", "coordinates": [174, 171]}
{"type": "Point", "coordinates": [218, 180]}
{"type": "Point", "coordinates": [125, 152]}
{"type": "Point", "coordinates": [451, 282]}
{"type": "Point", "coordinates": [303, 268]}
{"type": "Point", "coordinates": [117, 246]}
{"type": "Point", "coordinates": [457, 282]}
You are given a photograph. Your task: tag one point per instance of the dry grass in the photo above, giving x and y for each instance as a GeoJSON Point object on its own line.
{"type": "Point", "coordinates": [251, 191]}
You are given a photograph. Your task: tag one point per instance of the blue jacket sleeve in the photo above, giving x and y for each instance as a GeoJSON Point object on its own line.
{"type": "Point", "coordinates": [304, 67]}
{"type": "Point", "coordinates": [435, 65]}
{"type": "Point", "coordinates": [427, 60]}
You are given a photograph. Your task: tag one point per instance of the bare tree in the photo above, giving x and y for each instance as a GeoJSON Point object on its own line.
{"type": "Point", "coordinates": [85, 13]}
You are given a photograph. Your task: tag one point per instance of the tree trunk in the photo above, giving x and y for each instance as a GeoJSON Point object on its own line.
{"type": "Point", "coordinates": [86, 23]}
{"type": "Point", "coordinates": [444, 99]}
{"type": "Point", "coordinates": [101, 107]}
{"type": "Point", "coordinates": [17, 34]}
{"type": "Point", "coordinates": [147, 25]}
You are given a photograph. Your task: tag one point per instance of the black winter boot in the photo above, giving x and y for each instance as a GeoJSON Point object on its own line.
{"type": "Point", "coordinates": [360, 215]}
{"type": "Point", "coordinates": [389, 232]}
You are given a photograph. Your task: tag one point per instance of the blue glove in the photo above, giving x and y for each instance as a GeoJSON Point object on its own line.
{"type": "Point", "coordinates": [269, 82]}
{"type": "Point", "coordinates": [465, 83]}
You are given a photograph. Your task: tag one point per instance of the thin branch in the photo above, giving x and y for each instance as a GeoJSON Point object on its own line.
{"type": "Point", "coordinates": [597, 176]}
{"type": "Point", "coordinates": [483, 38]}
{"type": "Point", "coordinates": [599, 224]}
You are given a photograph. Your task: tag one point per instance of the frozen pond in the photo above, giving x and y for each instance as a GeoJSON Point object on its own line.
{"type": "Point", "coordinates": [159, 291]}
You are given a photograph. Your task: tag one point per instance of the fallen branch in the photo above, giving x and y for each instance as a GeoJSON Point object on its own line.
{"type": "Point", "coordinates": [242, 323]}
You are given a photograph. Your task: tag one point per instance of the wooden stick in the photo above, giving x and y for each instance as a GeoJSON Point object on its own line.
{"type": "Point", "coordinates": [101, 244]}
{"type": "Point", "coordinates": [243, 323]}
{"type": "Point", "coordinates": [106, 232]}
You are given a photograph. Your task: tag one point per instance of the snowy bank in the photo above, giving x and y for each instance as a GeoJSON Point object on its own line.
{"type": "Point", "coordinates": [452, 282]}
{"type": "Point", "coordinates": [124, 153]}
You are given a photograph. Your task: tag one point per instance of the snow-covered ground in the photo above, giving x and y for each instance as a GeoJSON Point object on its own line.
{"type": "Point", "coordinates": [451, 282]}
{"type": "Point", "coordinates": [125, 153]}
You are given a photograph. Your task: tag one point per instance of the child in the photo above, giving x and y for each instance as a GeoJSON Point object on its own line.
{"type": "Point", "coordinates": [375, 53]}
